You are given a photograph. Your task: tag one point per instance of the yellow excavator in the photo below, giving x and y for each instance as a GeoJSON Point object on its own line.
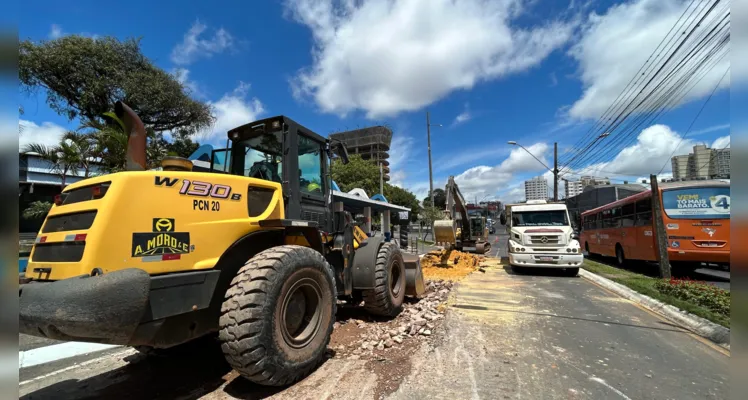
{"type": "Point", "coordinates": [459, 230]}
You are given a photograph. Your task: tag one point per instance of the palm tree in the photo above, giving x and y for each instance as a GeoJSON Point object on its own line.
{"type": "Point", "coordinates": [64, 157]}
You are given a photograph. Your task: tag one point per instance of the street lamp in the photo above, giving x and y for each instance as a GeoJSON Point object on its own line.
{"type": "Point", "coordinates": [431, 177]}
{"type": "Point", "coordinates": [512, 142]}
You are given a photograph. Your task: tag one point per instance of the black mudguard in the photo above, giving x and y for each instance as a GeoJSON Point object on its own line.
{"type": "Point", "coordinates": [364, 261]}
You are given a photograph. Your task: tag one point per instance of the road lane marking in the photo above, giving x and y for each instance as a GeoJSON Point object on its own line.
{"type": "Point", "coordinates": [55, 352]}
{"type": "Point", "coordinates": [74, 366]}
{"type": "Point", "coordinates": [602, 382]}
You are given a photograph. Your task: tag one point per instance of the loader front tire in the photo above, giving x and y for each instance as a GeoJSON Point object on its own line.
{"type": "Point", "coordinates": [278, 314]}
{"type": "Point", "coordinates": [386, 299]}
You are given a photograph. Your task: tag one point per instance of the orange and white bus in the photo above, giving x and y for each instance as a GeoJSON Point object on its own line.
{"type": "Point", "coordinates": [696, 215]}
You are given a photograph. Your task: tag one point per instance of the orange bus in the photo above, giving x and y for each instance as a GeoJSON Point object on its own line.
{"type": "Point", "coordinates": [696, 215]}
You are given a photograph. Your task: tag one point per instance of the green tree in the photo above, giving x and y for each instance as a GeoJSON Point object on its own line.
{"type": "Point", "coordinates": [37, 210]}
{"type": "Point", "coordinates": [402, 197]}
{"type": "Point", "coordinates": [83, 77]}
{"type": "Point", "coordinates": [358, 173]}
{"type": "Point", "coordinates": [440, 198]}
{"type": "Point", "coordinates": [64, 157]}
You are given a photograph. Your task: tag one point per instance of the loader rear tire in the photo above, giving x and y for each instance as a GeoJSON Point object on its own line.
{"type": "Point", "coordinates": [386, 299]}
{"type": "Point", "coordinates": [278, 314]}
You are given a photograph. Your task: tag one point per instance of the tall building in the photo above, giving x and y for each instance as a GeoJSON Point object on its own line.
{"type": "Point", "coordinates": [573, 188]}
{"type": "Point", "coordinates": [536, 189]}
{"type": "Point", "coordinates": [723, 163]}
{"type": "Point", "coordinates": [703, 163]}
{"type": "Point", "coordinates": [593, 181]}
{"type": "Point", "coordinates": [680, 167]}
{"type": "Point", "coordinates": [372, 143]}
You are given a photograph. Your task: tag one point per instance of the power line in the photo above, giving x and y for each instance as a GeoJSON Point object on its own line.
{"type": "Point", "coordinates": [662, 100]}
{"type": "Point", "coordinates": [694, 119]}
{"type": "Point", "coordinates": [649, 101]}
{"type": "Point", "coordinates": [666, 100]}
{"type": "Point", "coordinates": [633, 79]}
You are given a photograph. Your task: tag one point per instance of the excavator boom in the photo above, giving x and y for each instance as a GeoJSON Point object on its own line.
{"type": "Point", "coordinates": [454, 231]}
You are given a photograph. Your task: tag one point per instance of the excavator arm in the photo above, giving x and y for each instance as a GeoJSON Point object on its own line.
{"type": "Point", "coordinates": [454, 231]}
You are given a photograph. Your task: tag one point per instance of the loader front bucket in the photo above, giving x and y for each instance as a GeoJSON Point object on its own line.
{"type": "Point", "coordinates": [414, 283]}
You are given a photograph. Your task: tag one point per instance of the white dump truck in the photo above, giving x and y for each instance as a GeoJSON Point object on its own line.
{"type": "Point", "coordinates": [541, 236]}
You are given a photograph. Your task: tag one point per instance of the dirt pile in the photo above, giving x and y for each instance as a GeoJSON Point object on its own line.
{"type": "Point", "coordinates": [457, 266]}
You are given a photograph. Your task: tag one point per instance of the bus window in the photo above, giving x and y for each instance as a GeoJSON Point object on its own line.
{"type": "Point", "coordinates": [628, 215]}
{"type": "Point", "coordinates": [599, 221]}
{"type": "Point", "coordinates": [607, 221]}
{"type": "Point", "coordinates": [615, 217]}
{"type": "Point", "coordinates": [644, 212]}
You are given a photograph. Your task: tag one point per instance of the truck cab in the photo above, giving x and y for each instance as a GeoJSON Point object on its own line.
{"type": "Point", "coordinates": [541, 236]}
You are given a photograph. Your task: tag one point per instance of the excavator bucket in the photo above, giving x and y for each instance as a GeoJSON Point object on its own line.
{"type": "Point", "coordinates": [444, 232]}
{"type": "Point", "coordinates": [414, 283]}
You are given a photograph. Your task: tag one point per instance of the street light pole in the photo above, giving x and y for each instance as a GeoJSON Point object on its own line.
{"type": "Point", "coordinates": [555, 171]}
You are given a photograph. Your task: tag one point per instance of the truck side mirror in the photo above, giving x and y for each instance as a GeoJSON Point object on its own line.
{"type": "Point", "coordinates": [502, 219]}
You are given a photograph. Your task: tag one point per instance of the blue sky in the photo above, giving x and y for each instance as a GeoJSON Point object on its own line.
{"type": "Point", "coordinates": [488, 72]}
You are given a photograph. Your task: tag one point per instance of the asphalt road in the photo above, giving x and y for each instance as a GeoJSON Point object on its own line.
{"type": "Point", "coordinates": [547, 336]}
{"type": "Point", "coordinates": [506, 335]}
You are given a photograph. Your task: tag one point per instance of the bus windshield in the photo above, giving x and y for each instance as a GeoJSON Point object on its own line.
{"type": "Point", "coordinates": [540, 218]}
{"type": "Point", "coordinates": [697, 203]}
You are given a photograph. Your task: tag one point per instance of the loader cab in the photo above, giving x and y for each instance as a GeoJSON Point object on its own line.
{"type": "Point", "coordinates": [257, 151]}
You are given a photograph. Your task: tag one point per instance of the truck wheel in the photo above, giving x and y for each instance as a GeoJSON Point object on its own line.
{"type": "Point", "coordinates": [277, 316]}
{"type": "Point", "coordinates": [386, 299]}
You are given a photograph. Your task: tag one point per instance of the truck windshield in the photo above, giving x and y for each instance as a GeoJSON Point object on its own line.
{"type": "Point", "coordinates": [540, 218]}
{"type": "Point", "coordinates": [697, 203]}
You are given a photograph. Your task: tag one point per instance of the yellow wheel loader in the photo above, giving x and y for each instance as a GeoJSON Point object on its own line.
{"type": "Point", "coordinates": [255, 251]}
{"type": "Point", "coordinates": [459, 230]}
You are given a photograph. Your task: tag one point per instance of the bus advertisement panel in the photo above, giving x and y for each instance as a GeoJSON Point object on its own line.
{"type": "Point", "coordinates": [697, 203]}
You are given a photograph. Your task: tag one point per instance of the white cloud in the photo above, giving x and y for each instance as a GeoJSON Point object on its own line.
{"type": "Point", "coordinates": [721, 143]}
{"type": "Point", "coordinates": [463, 116]}
{"type": "Point", "coordinates": [385, 57]}
{"type": "Point", "coordinates": [615, 45]}
{"type": "Point", "coordinates": [55, 31]}
{"type": "Point", "coordinates": [710, 129]}
{"type": "Point", "coordinates": [484, 180]}
{"type": "Point", "coordinates": [193, 47]}
{"type": "Point", "coordinates": [48, 133]}
{"type": "Point", "coordinates": [183, 76]}
{"type": "Point", "coordinates": [232, 110]}
{"type": "Point", "coordinates": [653, 149]}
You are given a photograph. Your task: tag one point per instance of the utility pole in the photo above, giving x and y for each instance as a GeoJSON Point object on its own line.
{"type": "Point", "coordinates": [381, 180]}
{"type": "Point", "coordinates": [431, 178]}
{"type": "Point", "coordinates": [555, 171]}
{"type": "Point", "coordinates": [659, 229]}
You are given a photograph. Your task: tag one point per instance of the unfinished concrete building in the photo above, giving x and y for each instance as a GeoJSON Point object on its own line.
{"type": "Point", "coordinates": [372, 143]}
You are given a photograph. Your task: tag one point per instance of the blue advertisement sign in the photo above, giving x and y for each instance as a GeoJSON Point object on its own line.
{"type": "Point", "coordinates": [697, 203]}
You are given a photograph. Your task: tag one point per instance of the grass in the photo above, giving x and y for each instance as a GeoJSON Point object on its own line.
{"type": "Point", "coordinates": [646, 285]}
{"type": "Point", "coordinates": [425, 242]}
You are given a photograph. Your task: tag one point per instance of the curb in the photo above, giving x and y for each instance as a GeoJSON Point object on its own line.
{"type": "Point", "coordinates": [703, 327]}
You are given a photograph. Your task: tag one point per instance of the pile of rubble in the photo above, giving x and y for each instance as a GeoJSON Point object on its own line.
{"type": "Point", "coordinates": [368, 337]}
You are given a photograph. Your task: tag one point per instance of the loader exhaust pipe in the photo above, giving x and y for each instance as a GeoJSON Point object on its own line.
{"type": "Point", "coordinates": [136, 139]}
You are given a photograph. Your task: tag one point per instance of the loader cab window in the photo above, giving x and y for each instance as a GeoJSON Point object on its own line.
{"type": "Point", "coordinates": [263, 157]}
{"type": "Point", "coordinates": [310, 165]}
